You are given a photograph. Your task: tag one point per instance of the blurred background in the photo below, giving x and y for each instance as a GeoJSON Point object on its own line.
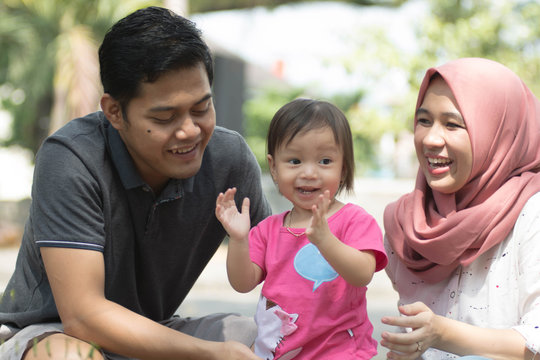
{"type": "Point", "coordinates": [366, 56]}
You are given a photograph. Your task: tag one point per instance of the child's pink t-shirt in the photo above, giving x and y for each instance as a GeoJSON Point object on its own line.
{"type": "Point", "coordinates": [306, 310]}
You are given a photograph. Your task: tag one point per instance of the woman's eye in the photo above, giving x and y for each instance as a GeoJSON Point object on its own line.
{"type": "Point", "coordinates": [455, 125]}
{"type": "Point", "coordinates": [423, 121]}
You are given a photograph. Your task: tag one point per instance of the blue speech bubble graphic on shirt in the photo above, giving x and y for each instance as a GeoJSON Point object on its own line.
{"type": "Point", "coordinates": [311, 265]}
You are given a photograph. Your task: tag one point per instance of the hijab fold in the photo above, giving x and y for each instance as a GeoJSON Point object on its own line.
{"type": "Point", "coordinates": [434, 233]}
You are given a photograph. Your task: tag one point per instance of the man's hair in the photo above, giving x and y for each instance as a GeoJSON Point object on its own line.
{"type": "Point", "coordinates": [145, 45]}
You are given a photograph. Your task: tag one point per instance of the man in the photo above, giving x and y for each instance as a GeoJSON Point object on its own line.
{"type": "Point", "coordinates": [122, 218]}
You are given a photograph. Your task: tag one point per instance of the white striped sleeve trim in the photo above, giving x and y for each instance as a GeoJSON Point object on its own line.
{"type": "Point", "coordinates": [69, 244]}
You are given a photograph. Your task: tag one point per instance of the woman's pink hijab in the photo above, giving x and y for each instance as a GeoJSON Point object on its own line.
{"type": "Point", "coordinates": [433, 233]}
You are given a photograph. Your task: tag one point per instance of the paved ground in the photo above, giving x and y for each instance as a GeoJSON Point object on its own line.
{"type": "Point", "coordinates": [212, 292]}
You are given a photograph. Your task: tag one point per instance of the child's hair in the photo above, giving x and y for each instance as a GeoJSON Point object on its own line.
{"type": "Point", "coordinates": [302, 115]}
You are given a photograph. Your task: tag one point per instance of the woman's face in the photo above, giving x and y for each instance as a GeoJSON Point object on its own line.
{"type": "Point", "coordinates": [441, 139]}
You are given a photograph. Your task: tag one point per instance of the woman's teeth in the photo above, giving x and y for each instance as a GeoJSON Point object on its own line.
{"type": "Point", "coordinates": [438, 162]}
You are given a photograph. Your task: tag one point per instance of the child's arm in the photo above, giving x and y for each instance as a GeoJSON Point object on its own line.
{"type": "Point", "coordinates": [355, 266]}
{"type": "Point", "coordinates": [243, 274]}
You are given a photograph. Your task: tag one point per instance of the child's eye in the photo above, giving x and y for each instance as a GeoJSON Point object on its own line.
{"type": "Point", "coordinates": [325, 161]}
{"type": "Point", "coordinates": [294, 161]}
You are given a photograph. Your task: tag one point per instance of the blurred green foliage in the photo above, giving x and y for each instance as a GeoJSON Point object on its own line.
{"type": "Point", "coordinates": [32, 34]}
{"type": "Point", "coordinates": [198, 6]}
{"type": "Point", "coordinates": [505, 31]}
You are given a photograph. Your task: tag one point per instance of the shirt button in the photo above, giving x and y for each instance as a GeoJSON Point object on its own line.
{"type": "Point", "coordinates": [452, 294]}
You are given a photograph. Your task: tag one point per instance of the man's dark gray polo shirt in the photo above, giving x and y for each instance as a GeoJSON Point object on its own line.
{"type": "Point", "coordinates": [88, 195]}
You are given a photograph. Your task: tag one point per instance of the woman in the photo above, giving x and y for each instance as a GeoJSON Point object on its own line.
{"type": "Point", "coordinates": [464, 246]}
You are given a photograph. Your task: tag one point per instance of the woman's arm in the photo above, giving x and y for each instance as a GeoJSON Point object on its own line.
{"type": "Point", "coordinates": [77, 279]}
{"type": "Point", "coordinates": [430, 330]}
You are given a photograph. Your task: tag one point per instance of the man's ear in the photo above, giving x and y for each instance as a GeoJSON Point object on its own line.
{"type": "Point", "coordinates": [112, 110]}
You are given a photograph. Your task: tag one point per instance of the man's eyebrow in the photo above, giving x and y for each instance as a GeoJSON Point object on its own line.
{"type": "Point", "coordinates": [204, 98]}
{"type": "Point", "coordinates": [170, 108]}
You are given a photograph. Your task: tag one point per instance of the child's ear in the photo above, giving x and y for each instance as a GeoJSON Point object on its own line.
{"type": "Point", "coordinates": [112, 110]}
{"type": "Point", "coordinates": [271, 166]}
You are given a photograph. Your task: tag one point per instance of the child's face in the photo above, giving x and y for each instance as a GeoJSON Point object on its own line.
{"type": "Point", "coordinates": [307, 166]}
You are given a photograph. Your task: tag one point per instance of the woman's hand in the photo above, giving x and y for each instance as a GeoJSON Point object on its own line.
{"type": "Point", "coordinates": [423, 332]}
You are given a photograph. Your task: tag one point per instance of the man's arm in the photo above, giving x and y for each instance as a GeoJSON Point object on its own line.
{"type": "Point", "coordinates": [77, 279]}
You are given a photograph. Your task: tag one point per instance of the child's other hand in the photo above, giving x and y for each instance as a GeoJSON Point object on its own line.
{"type": "Point", "coordinates": [318, 229]}
{"type": "Point", "coordinates": [237, 224]}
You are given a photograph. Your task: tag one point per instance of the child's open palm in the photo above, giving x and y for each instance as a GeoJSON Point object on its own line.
{"type": "Point", "coordinates": [318, 228]}
{"type": "Point", "coordinates": [237, 224]}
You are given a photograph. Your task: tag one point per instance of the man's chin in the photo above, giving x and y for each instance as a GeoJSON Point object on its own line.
{"type": "Point", "coordinates": [187, 172]}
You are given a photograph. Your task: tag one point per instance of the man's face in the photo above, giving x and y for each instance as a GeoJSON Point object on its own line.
{"type": "Point", "coordinates": [169, 125]}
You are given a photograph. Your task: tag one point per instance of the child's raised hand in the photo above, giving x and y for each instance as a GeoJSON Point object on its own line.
{"type": "Point", "coordinates": [318, 229]}
{"type": "Point", "coordinates": [237, 224]}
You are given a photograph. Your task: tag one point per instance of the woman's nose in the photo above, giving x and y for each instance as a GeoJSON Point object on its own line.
{"type": "Point", "coordinates": [434, 136]}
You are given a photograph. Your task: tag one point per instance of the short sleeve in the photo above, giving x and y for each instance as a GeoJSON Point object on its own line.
{"type": "Point", "coordinates": [355, 227]}
{"type": "Point", "coordinates": [238, 167]}
{"type": "Point", "coordinates": [258, 237]}
{"type": "Point", "coordinates": [66, 200]}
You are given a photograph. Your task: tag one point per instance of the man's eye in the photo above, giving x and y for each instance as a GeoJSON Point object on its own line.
{"type": "Point", "coordinates": [161, 120]}
{"type": "Point", "coordinates": [200, 111]}
{"type": "Point", "coordinates": [201, 108]}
